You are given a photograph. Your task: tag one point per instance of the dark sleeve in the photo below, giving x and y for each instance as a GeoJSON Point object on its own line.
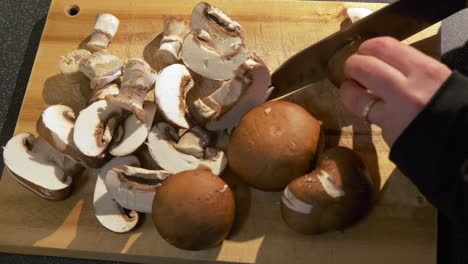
{"type": "Point", "coordinates": [433, 150]}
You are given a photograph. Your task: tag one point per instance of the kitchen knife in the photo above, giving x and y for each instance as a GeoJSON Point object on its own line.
{"type": "Point", "coordinates": [399, 20]}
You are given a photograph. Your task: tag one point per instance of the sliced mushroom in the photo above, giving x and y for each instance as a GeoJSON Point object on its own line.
{"type": "Point", "coordinates": [138, 79]}
{"type": "Point", "coordinates": [221, 100]}
{"type": "Point", "coordinates": [95, 126]}
{"type": "Point", "coordinates": [255, 93]}
{"type": "Point", "coordinates": [147, 162]}
{"type": "Point", "coordinates": [357, 13]}
{"type": "Point", "coordinates": [101, 68]}
{"type": "Point", "coordinates": [108, 212]}
{"type": "Point", "coordinates": [134, 188]}
{"type": "Point", "coordinates": [175, 31]}
{"type": "Point", "coordinates": [215, 47]}
{"type": "Point", "coordinates": [56, 126]}
{"type": "Point", "coordinates": [193, 142]}
{"type": "Point", "coordinates": [161, 147]}
{"type": "Point", "coordinates": [172, 86]}
{"type": "Point", "coordinates": [104, 30]}
{"type": "Point", "coordinates": [38, 167]}
{"type": "Point", "coordinates": [69, 64]}
{"type": "Point", "coordinates": [134, 132]}
{"type": "Point", "coordinates": [202, 56]}
{"type": "Point", "coordinates": [101, 94]}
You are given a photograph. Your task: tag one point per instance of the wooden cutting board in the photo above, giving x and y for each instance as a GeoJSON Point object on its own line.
{"type": "Point", "coordinates": [400, 229]}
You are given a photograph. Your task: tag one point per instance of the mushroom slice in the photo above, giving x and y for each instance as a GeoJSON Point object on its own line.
{"type": "Point", "coordinates": [69, 64]}
{"type": "Point", "coordinates": [162, 150]}
{"type": "Point", "coordinates": [95, 126]}
{"type": "Point", "coordinates": [215, 47]}
{"type": "Point", "coordinates": [101, 68]}
{"type": "Point", "coordinates": [134, 188]}
{"type": "Point", "coordinates": [212, 19]}
{"type": "Point", "coordinates": [210, 59]}
{"type": "Point", "coordinates": [108, 212]}
{"type": "Point", "coordinates": [101, 94]}
{"type": "Point", "coordinates": [357, 13]}
{"type": "Point", "coordinates": [56, 127]}
{"type": "Point", "coordinates": [172, 86]}
{"type": "Point", "coordinates": [104, 30]}
{"type": "Point", "coordinates": [175, 31]}
{"type": "Point", "coordinates": [138, 79]}
{"type": "Point", "coordinates": [193, 142]}
{"type": "Point", "coordinates": [256, 92]}
{"type": "Point", "coordinates": [221, 100]}
{"type": "Point", "coordinates": [33, 164]}
{"type": "Point", "coordinates": [134, 132]}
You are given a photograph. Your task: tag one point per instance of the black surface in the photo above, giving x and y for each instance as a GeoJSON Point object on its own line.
{"type": "Point", "coordinates": [21, 25]}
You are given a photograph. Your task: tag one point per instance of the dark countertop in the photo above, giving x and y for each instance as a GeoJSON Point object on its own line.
{"type": "Point", "coordinates": [21, 25]}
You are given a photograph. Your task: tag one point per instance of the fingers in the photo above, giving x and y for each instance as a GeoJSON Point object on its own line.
{"type": "Point", "coordinates": [355, 98]}
{"type": "Point", "coordinates": [374, 74]}
{"type": "Point", "coordinates": [391, 51]}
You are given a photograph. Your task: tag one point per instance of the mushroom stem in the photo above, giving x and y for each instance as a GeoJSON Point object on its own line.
{"type": "Point", "coordinates": [69, 65]}
{"type": "Point", "coordinates": [174, 32]}
{"type": "Point", "coordinates": [101, 68]}
{"type": "Point", "coordinates": [102, 93]}
{"type": "Point", "coordinates": [138, 79]}
{"type": "Point", "coordinates": [104, 30]}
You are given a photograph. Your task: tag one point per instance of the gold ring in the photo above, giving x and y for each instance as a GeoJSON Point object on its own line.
{"type": "Point", "coordinates": [367, 108]}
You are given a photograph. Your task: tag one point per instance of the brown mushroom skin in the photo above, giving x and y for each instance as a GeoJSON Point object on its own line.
{"type": "Point", "coordinates": [273, 144]}
{"type": "Point", "coordinates": [347, 172]}
{"type": "Point", "coordinates": [194, 210]}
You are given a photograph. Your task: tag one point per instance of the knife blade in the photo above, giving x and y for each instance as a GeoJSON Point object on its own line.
{"type": "Point", "coordinates": [399, 20]}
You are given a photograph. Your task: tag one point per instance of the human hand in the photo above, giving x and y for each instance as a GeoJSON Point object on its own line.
{"type": "Point", "coordinates": [400, 78]}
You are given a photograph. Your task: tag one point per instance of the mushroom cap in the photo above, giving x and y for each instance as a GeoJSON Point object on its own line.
{"type": "Point", "coordinates": [108, 212]}
{"type": "Point", "coordinates": [162, 150]}
{"type": "Point", "coordinates": [172, 85]}
{"type": "Point", "coordinates": [194, 210]}
{"type": "Point", "coordinates": [33, 166]}
{"type": "Point", "coordinates": [90, 127]}
{"type": "Point", "coordinates": [135, 132]}
{"type": "Point", "coordinates": [273, 144]}
{"type": "Point", "coordinates": [56, 126]}
{"type": "Point", "coordinates": [334, 196]}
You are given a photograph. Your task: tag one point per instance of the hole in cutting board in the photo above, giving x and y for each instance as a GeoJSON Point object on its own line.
{"type": "Point", "coordinates": [72, 10]}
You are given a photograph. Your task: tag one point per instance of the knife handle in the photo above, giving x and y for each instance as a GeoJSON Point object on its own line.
{"type": "Point", "coordinates": [335, 67]}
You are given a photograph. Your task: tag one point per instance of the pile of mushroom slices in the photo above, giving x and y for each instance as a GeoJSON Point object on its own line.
{"type": "Point", "coordinates": [134, 141]}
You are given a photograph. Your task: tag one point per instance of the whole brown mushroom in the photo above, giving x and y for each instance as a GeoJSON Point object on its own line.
{"type": "Point", "coordinates": [273, 144]}
{"type": "Point", "coordinates": [334, 196]}
{"type": "Point", "coordinates": [194, 210]}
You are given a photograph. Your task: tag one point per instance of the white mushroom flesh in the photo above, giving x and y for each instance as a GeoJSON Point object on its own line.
{"type": "Point", "coordinates": [357, 13]}
{"type": "Point", "coordinates": [134, 132]}
{"type": "Point", "coordinates": [35, 165]}
{"type": "Point", "coordinates": [138, 79]}
{"type": "Point", "coordinates": [95, 126]}
{"type": "Point", "coordinates": [101, 93]}
{"type": "Point", "coordinates": [108, 212]}
{"type": "Point", "coordinates": [104, 30]}
{"type": "Point", "coordinates": [174, 32]}
{"type": "Point", "coordinates": [134, 188]}
{"type": "Point", "coordinates": [163, 152]}
{"type": "Point", "coordinates": [193, 142]}
{"type": "Point", "coordinates": [256, 93]}
{"type": "Point", "coordinates": [101, 68]}
{"type": "Point", "coordinates": [69, 64]}
{"type": "Point", "coordinates": [172, 86]}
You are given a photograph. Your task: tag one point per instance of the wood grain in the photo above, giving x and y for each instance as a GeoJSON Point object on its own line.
{"type": "Point", "coordinates": [400, 229]}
